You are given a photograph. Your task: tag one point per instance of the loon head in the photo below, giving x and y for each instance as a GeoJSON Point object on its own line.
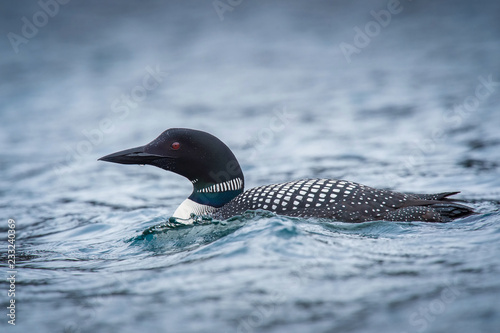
{"type": "Point", "coordinates": [199, 156]}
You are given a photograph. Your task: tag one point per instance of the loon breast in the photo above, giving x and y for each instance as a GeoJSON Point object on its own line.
{"type": "Point", "coordinates": [340, 200]}
{"type": "Point", "coordinates": [189, 207]}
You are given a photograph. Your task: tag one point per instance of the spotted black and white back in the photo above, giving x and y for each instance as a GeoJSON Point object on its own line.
{"type": "Point", "coordinates": [337, 199]}
{"type": "Point", "coordinates": [344, 201]}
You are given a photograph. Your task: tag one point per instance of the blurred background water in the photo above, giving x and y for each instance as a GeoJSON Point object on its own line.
{"type": "Point", "coordinates": [391, 94]}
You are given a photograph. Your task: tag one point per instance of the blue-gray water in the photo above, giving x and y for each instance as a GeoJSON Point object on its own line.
{"type": "Point", "coordinates": [410, 108]}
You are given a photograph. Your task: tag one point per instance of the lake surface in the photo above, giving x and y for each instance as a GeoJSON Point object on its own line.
{"type": "Point", "coordinates": [391, 95]}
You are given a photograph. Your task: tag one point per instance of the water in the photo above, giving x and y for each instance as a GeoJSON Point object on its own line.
{"type": "Point", "coordinates": [93, 253]}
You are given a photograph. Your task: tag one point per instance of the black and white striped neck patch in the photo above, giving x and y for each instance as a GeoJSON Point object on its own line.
{"type": "Point", "coordinates": [230, 185]}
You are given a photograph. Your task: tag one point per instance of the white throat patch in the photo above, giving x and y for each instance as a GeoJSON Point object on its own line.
{"type": "Point", "coordinates": [188, 207]}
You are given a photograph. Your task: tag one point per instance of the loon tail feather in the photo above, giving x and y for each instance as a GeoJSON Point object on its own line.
{"type": "Point", "coordinates": [447, 208]}
{"type": "Point", "coordinates": [451, 211]}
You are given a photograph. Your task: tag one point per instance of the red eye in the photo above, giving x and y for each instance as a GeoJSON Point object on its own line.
{"type": "Point", "coordinates": [175, 145]}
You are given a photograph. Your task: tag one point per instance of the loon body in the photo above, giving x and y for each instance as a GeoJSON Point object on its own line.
{"type": "Point", "coordinates": [218, 187]}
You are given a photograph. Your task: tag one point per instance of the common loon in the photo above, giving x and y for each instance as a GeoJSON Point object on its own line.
{"type": "Point", "coordinates": [218, 185]}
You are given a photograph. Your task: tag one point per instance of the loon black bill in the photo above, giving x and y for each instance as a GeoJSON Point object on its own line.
{"type": "Point", "coordinates": [131, 156]}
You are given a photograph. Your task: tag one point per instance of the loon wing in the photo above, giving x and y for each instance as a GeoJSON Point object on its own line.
{"type": "Point", "coordinates": [435, 196]}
